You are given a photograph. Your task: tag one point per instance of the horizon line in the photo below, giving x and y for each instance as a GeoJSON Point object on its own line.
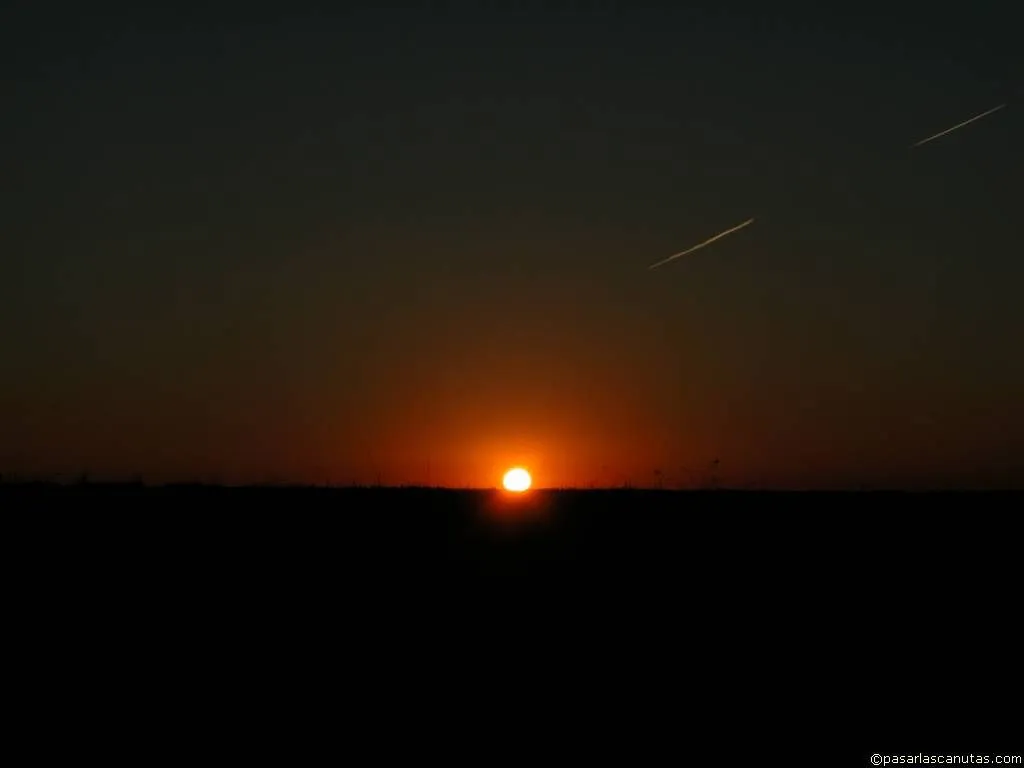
{"type": "Point", "coordinates": [14, 482]}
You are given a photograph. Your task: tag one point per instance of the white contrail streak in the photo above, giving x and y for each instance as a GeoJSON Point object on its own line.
{"type": "Point", "coordinates": [701, 245]}
{"type": "Point", "coordinates": [959, 125]}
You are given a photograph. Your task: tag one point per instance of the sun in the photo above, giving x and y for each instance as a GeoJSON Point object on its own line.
{"type": "Point", "coordinates": [517, 480]}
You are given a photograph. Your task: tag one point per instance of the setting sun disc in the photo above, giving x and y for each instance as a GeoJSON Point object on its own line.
{"type": "Point", "coordinates": [517, 480]}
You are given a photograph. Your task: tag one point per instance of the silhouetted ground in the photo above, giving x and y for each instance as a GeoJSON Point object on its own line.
{"type": "Point", "coordinates": [752, 554]}
{"type": "Point", "coordinates": [425, 530]}
{"type": "Point", "coordinates": [712, 598]}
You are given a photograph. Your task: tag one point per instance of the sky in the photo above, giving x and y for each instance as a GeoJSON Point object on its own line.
{"type": "Point", "coordinates": [410, 243]}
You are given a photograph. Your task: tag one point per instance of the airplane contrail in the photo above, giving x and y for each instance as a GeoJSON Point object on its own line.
{"type": "Point", "coordinates": [701, 245]}
{"type": "Point", "coordinates": [959, 125]}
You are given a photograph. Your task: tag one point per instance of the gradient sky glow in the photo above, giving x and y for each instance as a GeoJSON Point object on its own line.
{"type": "Point", "coordinates": [314, 244]}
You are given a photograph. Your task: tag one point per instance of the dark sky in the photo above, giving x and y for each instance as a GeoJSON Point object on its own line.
{"type": "Point", "coordinates": [295, 243]}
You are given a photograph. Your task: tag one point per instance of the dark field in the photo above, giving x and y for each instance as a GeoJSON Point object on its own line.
{"type": "Point", "coordinates": [875, 602]}
{"type": "Point", "coordinates": [849, 562]}
{"type": "Point", "coordinates": [851, 536]}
